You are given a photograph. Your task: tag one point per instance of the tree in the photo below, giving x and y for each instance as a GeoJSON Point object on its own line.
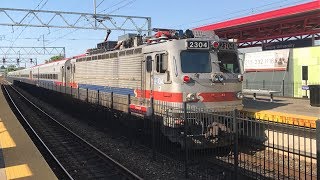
{"type": "Point", "coordinates": [54, 58]}
{"type": "Point", "coordinates": [2, 67]}
{"type": "Point", "coordinates": [11, 68]}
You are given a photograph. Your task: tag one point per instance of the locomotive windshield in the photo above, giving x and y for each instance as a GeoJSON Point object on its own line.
{"type": "Point", "coordinates": [228, 62]}
{"type": "Point", "coordinates": [195, 62]}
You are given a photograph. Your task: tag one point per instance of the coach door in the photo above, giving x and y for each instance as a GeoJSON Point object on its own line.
{"type": "Point", "coordinates": [63, 75]}
{"type": "Point", "coordinates": [68, 72]}
{"type": "Point", "coordinates": [146, 77]}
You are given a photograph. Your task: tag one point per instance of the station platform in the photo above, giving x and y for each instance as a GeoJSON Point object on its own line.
{"type": "Point", "coordinates": [19, 157]}
{"type": "Point", "coordinates": [282, 110]}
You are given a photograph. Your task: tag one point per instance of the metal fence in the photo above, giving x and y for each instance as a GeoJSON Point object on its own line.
{"type": "Point", "coordinates": [206, 144]}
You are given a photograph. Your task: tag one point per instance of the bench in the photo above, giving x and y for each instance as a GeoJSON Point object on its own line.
{"type": "Point", "coordinates": [254, 92]}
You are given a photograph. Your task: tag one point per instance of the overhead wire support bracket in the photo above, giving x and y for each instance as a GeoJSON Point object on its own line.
{"type": "Point", "coordinates": [5, 51]}
{"type": "Point", "coordinates": [61, 19]}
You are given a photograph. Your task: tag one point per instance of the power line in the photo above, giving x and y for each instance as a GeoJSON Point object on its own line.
{"type": "Point", "coordinates": [69, 39]}
{"type": "Point", "coordinates": [29, 21]}
{"type": "Point", "coordinates": [89, 23]}
{"type": "Point", "coordinates": [130, 2]}
{"type": "Point", "coordinates": [113, 6]}
{"type": "Point", "coordinates": [29, 14]}
{"type": "Point", "coordinates": [254, 9]}
{"type": "Point", "coordinates": [100, 3]}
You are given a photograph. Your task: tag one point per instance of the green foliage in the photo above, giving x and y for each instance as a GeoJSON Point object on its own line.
{"type": "Point", "coordinates": [11, 68]}
{"type": "Point", "coordinates": [54, 58]}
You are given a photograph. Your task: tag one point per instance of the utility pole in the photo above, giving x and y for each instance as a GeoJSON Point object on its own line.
{"type": "Point", "coordinates": [43, 40]}
{"type": "Point", "coordinates": [18, 59]}
{"type": "Point", "coordinates": [95, 13]}
{"type": "Point", "coordinates": [44, 50]}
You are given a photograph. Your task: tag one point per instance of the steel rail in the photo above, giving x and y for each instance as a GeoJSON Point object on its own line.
{"type": "Point", "coordinates": [128, 172]}
{"type": "Point", "coordinates": [35, 133]}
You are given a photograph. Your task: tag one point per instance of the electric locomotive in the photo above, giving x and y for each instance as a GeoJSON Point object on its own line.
{"type": "Point", "coordinates": [170, 67]}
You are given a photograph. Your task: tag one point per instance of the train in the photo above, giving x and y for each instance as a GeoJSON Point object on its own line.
{"type": "Point", "coordinates": [171, 67]}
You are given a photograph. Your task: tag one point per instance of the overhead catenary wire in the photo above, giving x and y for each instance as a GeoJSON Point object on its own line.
{"type": "Point", "coordinates": [28, 16]}
{"type": "Point", "coordinates": [100, 3]}
{"type": "Point", "coordinates": [130, 2]}
{"type": "Point", "coordinates": [61, 37]}
{"type": "Point", "coordinates": [13, 41]}
{"type": "Point", "coordinates": [243, 12]}
{"type": "Point", "coordinates": [68, 39]}
{"type": "Point", "coordinates": [29, 21]}
{"type": "Point", "coordinates": [112, 6]}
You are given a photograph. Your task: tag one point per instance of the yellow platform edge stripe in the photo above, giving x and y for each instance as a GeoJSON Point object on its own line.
{"type": "Point", "coordinates": [279, 117]}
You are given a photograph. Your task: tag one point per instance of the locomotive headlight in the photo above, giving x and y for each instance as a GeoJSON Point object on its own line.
{"type": "Point", "coordinates": [220, 78]}
{"type": "Point", "coordinates": [239, 95]}
{"type": "Point", "coordinates": [192, 97]}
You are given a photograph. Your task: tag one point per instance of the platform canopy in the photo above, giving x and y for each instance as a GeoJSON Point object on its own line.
{"type": "Point", "coordinates": [291, 23]}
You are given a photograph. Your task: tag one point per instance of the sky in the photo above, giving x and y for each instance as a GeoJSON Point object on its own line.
{"type": "Point", "coordinates": [164, 14]}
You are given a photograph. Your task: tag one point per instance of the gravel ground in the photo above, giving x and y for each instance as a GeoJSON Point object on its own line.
{"type": "Point", "coordinates": [254, 162]}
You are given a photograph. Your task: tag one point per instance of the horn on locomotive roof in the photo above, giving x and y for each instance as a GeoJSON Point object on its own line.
{"type": "Point", "coordinates": [108, 33]}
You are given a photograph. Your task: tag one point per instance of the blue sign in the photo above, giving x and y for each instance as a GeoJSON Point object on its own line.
{"type": "Point", "coordinates": [305, 87]}
{"type": "Point", "coordinates": [287, 44]}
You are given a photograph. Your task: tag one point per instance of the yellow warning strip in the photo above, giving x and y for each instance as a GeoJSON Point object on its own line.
{"type": "Point", "coordinates": [279, 117]}
{"type": "Point", "coordinates": [18, 171]}
{"type": "Point", "coordinates": [6, 140]}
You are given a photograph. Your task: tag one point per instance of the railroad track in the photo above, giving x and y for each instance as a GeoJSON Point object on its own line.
{"type": "Point", "coordinates": [77, 158]}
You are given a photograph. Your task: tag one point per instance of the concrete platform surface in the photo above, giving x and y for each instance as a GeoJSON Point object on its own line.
{"type": "Point", "coordinates": [20, 157]}
{"type": "Point", "coordinates": [285, 110]}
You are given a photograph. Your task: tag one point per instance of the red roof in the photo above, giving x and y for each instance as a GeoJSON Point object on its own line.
{"type": "Point", "coordinates": [311, 6]}
{"type": "Point", "coordinates": [277, 25]}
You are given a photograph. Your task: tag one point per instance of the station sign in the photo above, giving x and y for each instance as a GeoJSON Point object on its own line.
{"type": "Point", "coordinates": [288, 44]}
{"type": "Point", "coordinates": [265, 61]}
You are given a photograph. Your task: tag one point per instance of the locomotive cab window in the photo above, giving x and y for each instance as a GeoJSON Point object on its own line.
{"type": "Point", "coordinates": [195, 62]}
{"type": "Point", "coordinates": [228, 62]}
{"type": "Point", "coordinates": [161, 63]}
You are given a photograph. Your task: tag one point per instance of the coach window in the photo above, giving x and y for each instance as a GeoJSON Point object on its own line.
{"type": "Point", "coordinates": [162, 63]}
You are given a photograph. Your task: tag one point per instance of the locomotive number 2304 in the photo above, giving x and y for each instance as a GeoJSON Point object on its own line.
{"type": "Point", "coordinates": [197, 44]}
